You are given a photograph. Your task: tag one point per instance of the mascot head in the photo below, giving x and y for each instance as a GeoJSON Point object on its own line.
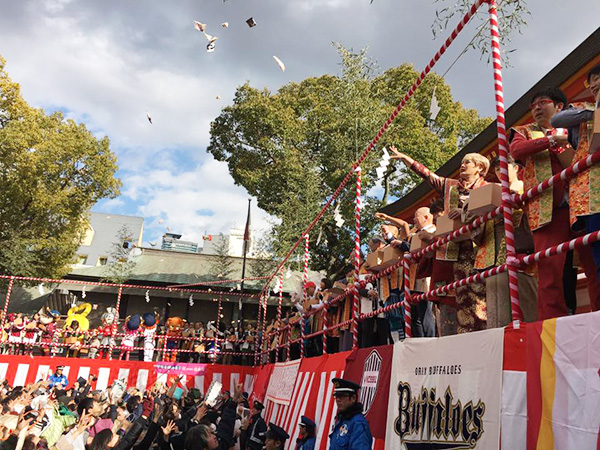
{"type": "Point", "coordinates": [48, 316]}
{"type": "Point", "coordinates": [149, 320]}
{"type": "Point", "coordinates": [175, 323]}
{"type": "Point", "coordinates": [134, 322]}
{"type": "Point", "coordinates": [109, 317]}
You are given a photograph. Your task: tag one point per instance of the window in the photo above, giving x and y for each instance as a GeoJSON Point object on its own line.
{"type": "Point", "coordinates": [81, 259]}
{"type": "Point", "coordinates": [102, 261]}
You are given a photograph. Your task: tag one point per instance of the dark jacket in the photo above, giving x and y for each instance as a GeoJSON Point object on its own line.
{"type": "Point", "coordinates": [130, 438]}
{"type": "Point", "coordinates": [256, 433]}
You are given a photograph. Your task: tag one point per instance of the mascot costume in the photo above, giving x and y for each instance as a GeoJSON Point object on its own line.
{"type": "Point", "coordinates": [131, 328]}
{"type": "Point", "coordinates": [15, 332]}
{"type": "Point", "coordinates": [76, 322]}
{"type": "Point", "coordinates": [49, 325]}
{"type": "Point", "coordinates": [149, 322]}
{"type": "Point", "coordinates": [104, 332]}
{"type": "Point", "coordinates": [32, 333]}
{"type": "Point", "coordinates": [174, 327]}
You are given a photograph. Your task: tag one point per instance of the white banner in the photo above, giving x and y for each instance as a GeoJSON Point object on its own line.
{"type": "Point", "coordinates": [445, 392]}
{"type": "Point", "coordinates": [281, 383]}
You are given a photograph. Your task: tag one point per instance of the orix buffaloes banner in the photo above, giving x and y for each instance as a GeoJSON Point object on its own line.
{"type": "Point", "coordinates": [445, 393]}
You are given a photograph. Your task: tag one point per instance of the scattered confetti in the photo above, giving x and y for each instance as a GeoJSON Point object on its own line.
{"type": "Point", "coordinates": [199, 26]}
{"type": "Point", "coordinates": [251, 22]}
{"type": "Point", "coordinates": [225, 24]}
{"type": "Point", "coordinates": [279, 63]}
{"type": "Point", "coordinates": [148, 117]}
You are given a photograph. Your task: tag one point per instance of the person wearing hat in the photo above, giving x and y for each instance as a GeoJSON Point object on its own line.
{"type": "Point", "coordinates": [257, 428]}
{"type": "Point", "coordinates": [307, 438]}
{"type": "Point", "coordinates": [351, 429]}
{"type": "Point", "coordinates": [58, 379]}
{"type": "Point", "coordinates": [275, 437]}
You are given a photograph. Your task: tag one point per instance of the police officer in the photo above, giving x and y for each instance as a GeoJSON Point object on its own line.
{"type": "Point", "coordinates": [307, 438]}
{"type": "Point", "coordinates": [58, 380]}
{"type": "Point", "coordinates": [351, 429]}
{"type": "Point", "coordinates": [256, 430]}
{"type": "Point", "coordinates": [275, 437]}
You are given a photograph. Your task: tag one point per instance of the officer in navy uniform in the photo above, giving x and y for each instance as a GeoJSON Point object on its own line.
{"type": "Point", "coordinates": [351, 429]}
{"type": "Point", "coordinates": [275, 437]}
{"type": "Point", "coordinates": [58, 379]}
{"type": "Point", "coordinates": [257, 428]}
{"type": "Point", "coordinates": [307, 438]}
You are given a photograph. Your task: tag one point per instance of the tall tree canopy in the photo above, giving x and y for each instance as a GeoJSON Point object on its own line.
{"type": "Point", "coordinates": [292, 148]}
{"type": "Point", "coordinates": [52, 170]}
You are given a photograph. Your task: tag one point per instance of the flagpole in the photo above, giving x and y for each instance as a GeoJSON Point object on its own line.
{"type": "Point", "coordinates": [245, 251]}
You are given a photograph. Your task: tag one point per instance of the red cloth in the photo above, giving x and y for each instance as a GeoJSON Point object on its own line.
{"type": "Point", "coordinates": [550, 298]}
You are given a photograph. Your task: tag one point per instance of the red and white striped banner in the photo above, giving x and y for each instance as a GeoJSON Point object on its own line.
{"type": "Point", "coordinates": [22, 370]}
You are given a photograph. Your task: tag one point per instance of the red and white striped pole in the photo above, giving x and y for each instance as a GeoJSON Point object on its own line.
{"type": "Point", "coordinates": [258, 327]}
{"type": "Point", "coordinates": [113, 330]}
{"type": "Point", "coordinates": [517, 315]}
{"type": "Point", "coordinates": [355, 298]}
{"type": "Point", "coordinates": [265, 339]}
{"type": "Point", "coordinates": [216, 341]}
{"type": "Point", "coordinates": [279, 304]}
{"type": "Point", "coordinates": [7, 301]}
{"type": "Point", "coordinates": [407, 315]}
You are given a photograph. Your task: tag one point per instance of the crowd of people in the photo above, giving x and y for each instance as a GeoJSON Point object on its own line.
{"type": "Point", "coordinates": [58, 415]}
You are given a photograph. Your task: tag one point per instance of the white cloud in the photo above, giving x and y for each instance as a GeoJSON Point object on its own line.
{"type": "Point", "coordinates": [192, 202]}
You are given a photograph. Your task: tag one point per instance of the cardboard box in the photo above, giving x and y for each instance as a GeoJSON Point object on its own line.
{"type": "Point", "coordinates": [566, 157]}
{"type": "Point", "coordinates": [338, 288]}
{"type": "Point", "coordinates": [595, 138]}
{"type": "Point", "coordinates": [485, 199]}
{"type": "Point", "coordinates": [445, 226]}
{"type": "Point", "coordinates": [374, 260]}
{"type": "Point", "coordinates": [416, 243]}
{"type": "Point", "coordinates": [390, 256]}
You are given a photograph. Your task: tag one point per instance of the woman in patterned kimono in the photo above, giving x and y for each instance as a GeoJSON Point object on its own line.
{"type": "Point", "coordinates": [470, 299]}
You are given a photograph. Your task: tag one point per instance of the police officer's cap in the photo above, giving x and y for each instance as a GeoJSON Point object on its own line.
{"type": "Point", "coordinates": [258, 405]}
{"type": "Point", "coordinates": [307, 423]}
{"type": "Point", "coordinates": [60, 367]}
{"type": "Point", "coordinates": [276, 433]}
{"type": "Point", "coordinates": [344, 386]}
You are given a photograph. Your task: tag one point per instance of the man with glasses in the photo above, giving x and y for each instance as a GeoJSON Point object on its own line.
{"type": "Point", "coordinates": [538, 145]}
{"type": "Point", "coordinates": [351, 429]}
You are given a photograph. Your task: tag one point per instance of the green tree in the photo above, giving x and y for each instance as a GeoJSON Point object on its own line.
{"type": "Point", "coordinates": [292, 148]}
{"type": "Point", "coordinates": [222, 264]}
{"type": "Point", "coordinates": [52, 170]}
{"type": "Point", "coordinates": [512, 15]}
{"type": "Point", "coordinates": [121, 262]}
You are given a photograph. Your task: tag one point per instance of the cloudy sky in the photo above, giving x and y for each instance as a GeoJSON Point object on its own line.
{"type": "Point", "coordinates": [106, 63]}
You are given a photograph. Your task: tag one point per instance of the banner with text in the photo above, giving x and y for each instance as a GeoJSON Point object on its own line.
{"type": "Point", "coordinates": [445, 393]}
{"type": "Point", "coordinates": [371, 368]}
{"type": "Point", "coordinates": [281, 383]}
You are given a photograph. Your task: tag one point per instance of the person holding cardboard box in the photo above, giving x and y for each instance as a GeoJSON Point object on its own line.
{"type": "Point", "coordinates": [491, 252]}
{"type": "Point", "coordinates": [537, 145]}
{"type": "Point", "coordinates": [584, 195]}
{"type": "Point", "coordinates": [422, 313]}
{"type": "Point", "coordinates": [470, 299]}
